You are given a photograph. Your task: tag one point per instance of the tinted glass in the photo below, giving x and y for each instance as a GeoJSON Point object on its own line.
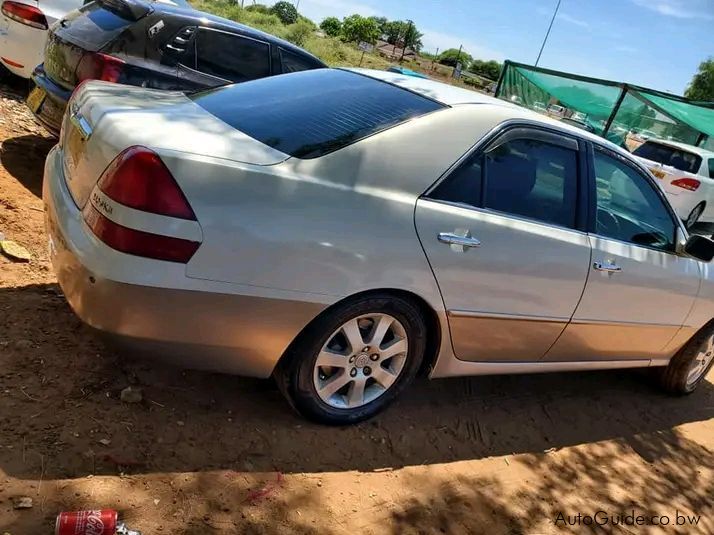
{"type": "Point", "coordinates": [308, 114]}
{"type": "Point", "coordinates": [533, 179]}
{"type": "Point", "coordinates": [294, 63]}
{"type": "Point", "coordinates": [711, 167]}
{"type": "Point", "coordinates": [664, 154]}
{"type": "Point", "coordinates": [464, 184]}
{"type": "Point", "coordinates": [230, 57]}
{"type": "Point", "coordinates": [628, 206]}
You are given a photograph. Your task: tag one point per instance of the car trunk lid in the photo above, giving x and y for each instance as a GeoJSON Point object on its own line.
{"type": "Point", "coordinates": [85, 31]}
{"type": "Point", "coordinates": [103, 119]}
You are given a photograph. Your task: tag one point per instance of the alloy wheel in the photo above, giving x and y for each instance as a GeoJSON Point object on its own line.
{"type": "Point", "coordinates": [360, 361]}
{"type": "Point", "coordinates": [701, 362]}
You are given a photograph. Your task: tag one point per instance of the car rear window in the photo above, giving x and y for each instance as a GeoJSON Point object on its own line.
{"type": "Point", "coordinates": [666, 155]}
{"type": "Point", "coordinates": [311, 113]}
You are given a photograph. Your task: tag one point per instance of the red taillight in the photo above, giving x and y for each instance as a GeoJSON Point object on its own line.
{"type": "Point", "coordinates": [691, 184]}
{"type": "Point", "coordinates": [24, 14]}
{"type": "Point", "coordinates": [137, 178]}
{"type": "Point", "coordinates": [98, 66]}
{"type": "Point", "coordinates": [137, 242]}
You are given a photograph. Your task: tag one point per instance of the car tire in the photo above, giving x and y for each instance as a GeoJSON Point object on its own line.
{"type": "Point", "coordinates": [691, 364]}
{"type": "Point", "coordinates": [307, 384]}
{"type": "Point", "coordinates": [694, 216]}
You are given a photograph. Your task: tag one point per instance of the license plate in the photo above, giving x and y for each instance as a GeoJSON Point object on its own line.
{"type": "Point", "coordinates": [658, 173]}
{"type": "Point", "coordinates": [36, 98]}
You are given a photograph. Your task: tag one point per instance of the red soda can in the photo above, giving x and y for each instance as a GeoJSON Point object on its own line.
{"type": "Point", "coordinates": [87, 523]}
{"type": "Point", "coordinates": [104, 522]}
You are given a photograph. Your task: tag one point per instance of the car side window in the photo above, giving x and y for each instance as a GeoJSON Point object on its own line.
{"type": "Point", "coordinates": [711, 167]}
{"type": "Point", "coordinates": [533, 179]}
{"type": "Point", "coordinates": [523, 177]}
{"type": "Point", "coordinates": [292, 62]}
{"type": "Point", "coordinates": [628, 206]}
{"type": "Point", "coordinates": [231, 57]}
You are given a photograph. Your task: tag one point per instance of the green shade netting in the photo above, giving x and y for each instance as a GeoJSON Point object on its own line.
{"type": "Point", "coordinates": [698, 117]}
{"type": "Point", "coordinates": [596, 100]}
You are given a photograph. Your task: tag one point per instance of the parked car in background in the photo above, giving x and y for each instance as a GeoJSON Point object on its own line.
{"type": "Point", "coordinates": [407, 72]}
{"type": "Point", "coordinates": [578, 124]}
{"type": "Point", "coordinates": [23, 31]}
{"type": "Point", "coordinates": [278, 228]}
{"type": "Point", "coordinates": [686, 173]}
{"type": "Point", "coordinates": [644, 135]}
{"type": "Point", "coordinates": [579, 116]}
{"type": "Point", "coordinates": [556, 111]}
{"type": "Point", "coordinates": [161, 45]}
{"type": "Point", "coordinates": [539, 107]}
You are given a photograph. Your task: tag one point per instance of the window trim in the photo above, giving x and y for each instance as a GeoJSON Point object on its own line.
{"type": "Point", "coordinates": [635, 166]}
{"type": "Point", "coordinates": [520, 129]}
{"type": "Point", "coordinates": [710, 166]}
{"type": "Point", "coordinates": [232, 34]}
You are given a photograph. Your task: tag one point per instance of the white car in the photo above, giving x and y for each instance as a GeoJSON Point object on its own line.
{"type": "Point", "coordinates": [556, 111]}
{"type": "Point", "coordinates": [23, 31]}
{"type": "Point", "coordinates": [686, 173]}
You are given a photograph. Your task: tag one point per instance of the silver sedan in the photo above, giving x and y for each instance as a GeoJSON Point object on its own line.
{"type": "Point", "coordinates": [343, 231]}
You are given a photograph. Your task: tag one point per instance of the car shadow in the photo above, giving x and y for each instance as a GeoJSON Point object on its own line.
{"type": "Point", "coordinates": [62, 389]}
{"type": "Point", "coordinates": [23, 157]}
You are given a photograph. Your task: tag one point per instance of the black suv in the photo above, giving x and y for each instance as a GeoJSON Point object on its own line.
{"type": "Point", "coordinates": [153, 44]}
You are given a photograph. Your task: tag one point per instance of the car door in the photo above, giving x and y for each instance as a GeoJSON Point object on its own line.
{"type": "Point", "coordinates": [502, 235]}
{"type": "Point", "coordinates": [221, 58]}
{"type": "Point", "coordinates": [639, 289]}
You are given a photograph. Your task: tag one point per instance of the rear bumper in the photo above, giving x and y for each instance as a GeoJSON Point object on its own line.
{"type": "Point", "coordinates": [21, 46]}
{"type": "Point", "coordinates": [203, 329]}
{"type": "Point", "coordinates": [52, 108]}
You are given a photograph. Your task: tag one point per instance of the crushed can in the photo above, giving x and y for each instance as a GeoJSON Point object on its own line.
{"type": "Point", "coordinates": [104, 522]}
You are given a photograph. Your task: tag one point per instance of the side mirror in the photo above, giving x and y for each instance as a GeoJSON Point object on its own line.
{"type": "Point", "coordinates": [700, 247]}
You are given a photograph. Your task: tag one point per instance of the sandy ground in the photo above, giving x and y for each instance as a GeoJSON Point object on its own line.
{"type": "Point", "coordinates": [205, 453]}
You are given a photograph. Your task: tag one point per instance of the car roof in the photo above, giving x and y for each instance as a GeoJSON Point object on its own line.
{"type": "Point", "coordinates": [456, 96]}
{"type": "Point", "coordinates": [689, 148]}
{"type": "Point", "coordinates": [207, 20]}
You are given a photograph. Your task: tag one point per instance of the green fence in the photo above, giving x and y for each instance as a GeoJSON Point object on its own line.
{"type": "Point", "coordinates": [611, 109]}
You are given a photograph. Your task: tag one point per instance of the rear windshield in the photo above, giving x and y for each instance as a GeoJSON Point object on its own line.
{"type": "Point", "coordinates": [666, 155]}
{"type": "Point", "coordinates": [310, 113]}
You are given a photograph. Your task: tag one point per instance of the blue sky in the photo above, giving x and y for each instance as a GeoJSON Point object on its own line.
{"type": "Point", "coordinates": [655, 43]}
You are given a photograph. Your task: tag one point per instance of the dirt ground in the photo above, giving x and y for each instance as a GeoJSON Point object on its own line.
{"type": "Point", "coordinates": [205, 453]}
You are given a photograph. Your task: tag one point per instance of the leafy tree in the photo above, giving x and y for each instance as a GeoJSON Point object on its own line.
{"type": "Point", "coordinates": [412, 37]}
{"type": "Point", "coordinates": [403, 32]}
{"type": "Point", "coordinates": [331, 26]}
{"type": "Point", "coordinates": [286, 12]}
{"type": "Point", "coordinates": [298, 33]}
{"type": "Point", "coordinates": [451, 56]}
{"type": "Point", "coordinates": [358, 28]}
{"type": "Point", "coordinates": [702, 85]}
{"type": "Point", "coordinates": [381, 24]}
{"type": "Point", "coordinates": [487, 69]}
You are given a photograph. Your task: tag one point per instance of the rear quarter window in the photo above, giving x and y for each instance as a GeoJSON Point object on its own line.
{"type": "Point", "coordinates": [311, 113]}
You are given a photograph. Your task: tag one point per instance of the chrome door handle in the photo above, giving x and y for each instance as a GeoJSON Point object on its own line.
{"type": "Point", "coordinates": [459, 239]}
{"type": "Point", "coordinates": [607, 267]}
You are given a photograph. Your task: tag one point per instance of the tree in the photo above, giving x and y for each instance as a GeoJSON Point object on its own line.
{"type": "Point", "coordinates": [403, 32]}
{"type": "Point", "coordinates": [451, 56]}
{"type": "Point", "coordinates": [702, 85]}
{"type": "Point", "coordinates": [299, 32]}
{"type": "Point", "coordinates": [381, 24]}
{"type": "Point", "coordinates": [358, 28]}
{"type": "Point", "coordinates": [487, 69]}
{"type": "Point", "coordinates": [331, 26]}
{"type": "Point", "coordinates": [285, 11]}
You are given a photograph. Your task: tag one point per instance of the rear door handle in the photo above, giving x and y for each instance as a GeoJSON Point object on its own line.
{"type": "Point", "coordinates": [459, 240]}
{"type": "Point", "coordinates": [607, 267]}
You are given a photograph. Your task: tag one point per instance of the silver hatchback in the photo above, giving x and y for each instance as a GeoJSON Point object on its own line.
{"type": "Point", "coordinates": [344, 230]}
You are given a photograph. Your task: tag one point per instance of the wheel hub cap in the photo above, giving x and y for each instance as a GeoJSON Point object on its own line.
{"type": "Point", "coordinates": [360, 361]}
